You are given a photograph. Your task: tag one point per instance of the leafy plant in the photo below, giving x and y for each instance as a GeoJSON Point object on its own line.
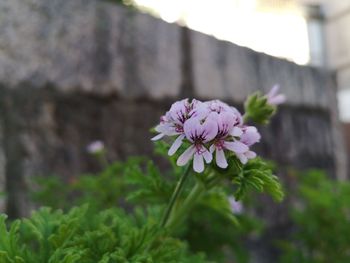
{"type": "Point", "coordinates": [322, 218]}
{"type": "Point", "coordinates": [80, 236]}
{"type": "Point", "coordinates": [211, 225]}
{"type": "Point", "coordinates": [257, 175]}
{"type": "Point", "coordinates": [258, 109]}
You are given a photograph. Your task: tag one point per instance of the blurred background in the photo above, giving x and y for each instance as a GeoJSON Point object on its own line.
{"type": "Point", "coordinates": [76, 71]}
{"type": "Point", "coordinates": [307, 32]}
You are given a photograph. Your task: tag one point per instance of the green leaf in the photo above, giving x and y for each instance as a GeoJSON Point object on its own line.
{"type": "Point", "coordinates": [258, 109]}
{"type": "Point", "coordinates": [257, 174]}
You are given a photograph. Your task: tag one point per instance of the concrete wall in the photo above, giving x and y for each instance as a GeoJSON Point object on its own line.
{"type": "Point", "coordinates": [99, 48]}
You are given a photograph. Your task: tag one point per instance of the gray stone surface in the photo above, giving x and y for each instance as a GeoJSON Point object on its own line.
{"type": "Point", "coordinates": [87, 45]}
{"type": "Point", "coordinates": [225, 70]}
{"type": "Point", "coordinates": [218, 68]}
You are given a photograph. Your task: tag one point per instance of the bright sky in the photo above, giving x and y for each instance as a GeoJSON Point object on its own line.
{"type": "Point", "coordinates": [282, 34]}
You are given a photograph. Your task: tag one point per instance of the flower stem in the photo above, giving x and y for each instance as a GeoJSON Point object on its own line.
{"type": "Point", "coordinates": [191, 199]}
{"type": "Point", "coordinates": [174, 196]}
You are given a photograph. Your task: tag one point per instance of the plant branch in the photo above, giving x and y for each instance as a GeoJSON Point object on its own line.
{"type": "Point", "coordinates": [175, 195]}
{"type": "Point", "coordinates": [191, 199]}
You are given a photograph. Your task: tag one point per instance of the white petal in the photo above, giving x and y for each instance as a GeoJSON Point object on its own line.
{"type": "Point", "coordinates": [236, 147]}
{"type": "Point", "coordinates": [236, 132]}
{"type": "Point", "coordinates": [176, 145]}
{"type": "Point", "coordinates": [221, 159]}
{"type": "Point", "coordinates": [250, 154]}
{"type": "Point", "coordinates": [158, 137]}
{"type": "Point", "coordinates": [242, 158]}
{"type": "Point", "coordinates": [186, 156]}
{"type": "Point", "coordinates": [278, 99]}
{"type": "Point", "coordinates": [273, 91]}
{"type": "Point", "coordinates": [208, 157]}
{"type": "Point", "coordinates": [198, 163]}
{"type": "Point", "coordinates": [212, 148]}
{"type": "Point", "coordinates": [166, 128]}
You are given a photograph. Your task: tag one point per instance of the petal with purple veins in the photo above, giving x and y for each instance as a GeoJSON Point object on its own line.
{"type": "Point", "coordinates": [210, 130]}
{"type": "Point", "coordinates": [226, 121]}
{"type": "Point", "coordinates": [192, 127]}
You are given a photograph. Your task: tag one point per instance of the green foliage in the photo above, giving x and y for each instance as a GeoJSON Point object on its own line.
{"type": "Point", "coordinates": [257, 175]}
{"type": "Point", "coordinates": [258, 109]}
{"type": "Point", "coordinates": [103, 190]}
{"type": "Point", "coordinates": [212, 232]}
{"type": "Point", "coordinates": [322, 219]}
{"type": "Point", "coordinates": [138, 185]}
{"type": "Point", "coordinates": [84, 237]}
{"type": "Point", "coordinates": [148, 186]}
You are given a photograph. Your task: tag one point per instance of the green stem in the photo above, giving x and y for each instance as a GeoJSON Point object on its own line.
{"type": "Point", "coordinates": [191, 199]}
{"type": "Point", "coordinates": [212, 180]}
{"type": "Point", "coordinates": [174, 196]}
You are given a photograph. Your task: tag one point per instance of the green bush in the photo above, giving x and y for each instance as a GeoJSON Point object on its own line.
{"type": "Point", "coordinates": [81, 236]}
{"type": "Point", "coordinates": [321, 215]}
{"type": "Point", "coordinates": [137, 183]}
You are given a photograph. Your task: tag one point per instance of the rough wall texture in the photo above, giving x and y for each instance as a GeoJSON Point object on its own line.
{"type": "Point", "coordinates": [72, 71]}
{"type": "Point", "coordinates": [89, 46]}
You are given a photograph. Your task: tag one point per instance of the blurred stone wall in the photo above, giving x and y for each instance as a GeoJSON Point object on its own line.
{"type": "Point", "coordinates": [73, 71]}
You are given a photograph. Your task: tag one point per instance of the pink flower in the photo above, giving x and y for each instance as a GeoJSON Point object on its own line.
{"type": "Point", "coordinates": [273, 98]}
{"type": "Point", "coordinates": [212, 125]}
{"type": "Point", "coordinates": [225, 138]}
{"type": "Point", "coordinates": [249, 137]}
{"type": "Point", "coordinates": [236, 206]}
{"type": "Point", "coordinates": [198, 133]}
{"type": "Point", "coordinates": [95, 147]}
{"type": "Point", "coordinates": [173, 121]}
{"type": "Point", "coordinates": [219, 107]}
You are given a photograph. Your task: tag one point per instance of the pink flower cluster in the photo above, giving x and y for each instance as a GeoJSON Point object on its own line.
{"type": "Point", "coordinates": [211, 128]}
